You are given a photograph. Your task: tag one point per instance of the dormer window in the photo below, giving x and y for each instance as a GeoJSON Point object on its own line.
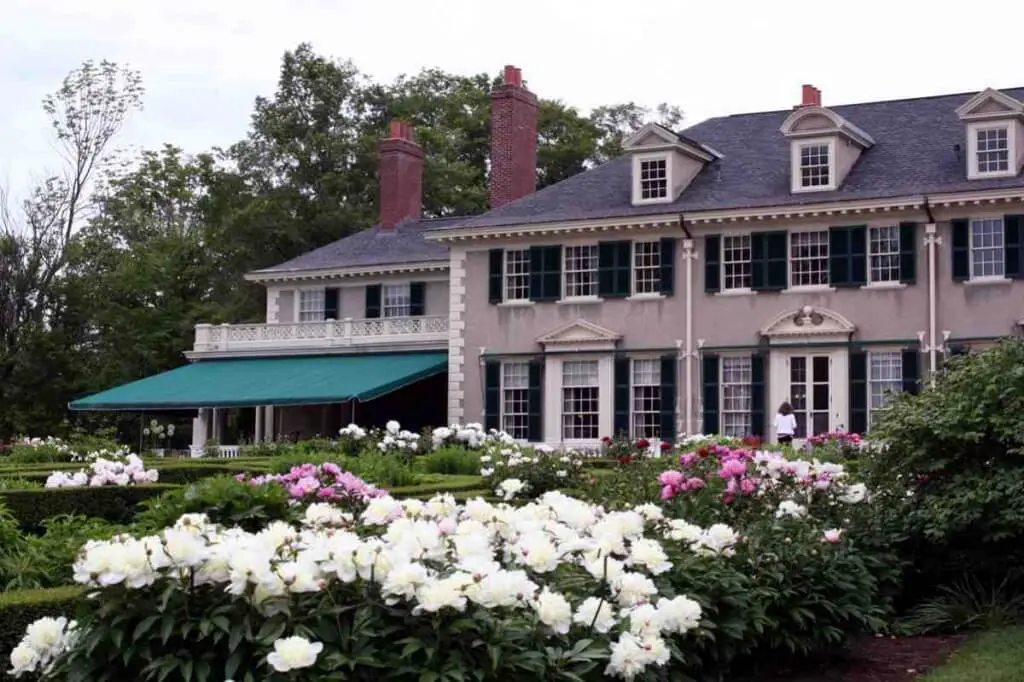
{"type": "Point", "coordinates": [992, 150]}
{"type": "Point", "coordinates": [815, 165]}
{"type": "Point", "coordinates": [653, 179]}
{"type": "Point", "coordinates": [664, 163]}
{"type": "Point", "coordinates": [995, 133]}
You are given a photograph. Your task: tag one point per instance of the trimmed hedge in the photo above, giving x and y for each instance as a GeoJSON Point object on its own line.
{"type": "Point", "coordinates": [21, 608]}
{"type": "Point", "coordinates": [111, 503]}
{"type": "Point", "coordinates": [175, 474]}
{"type": "Point", "coordinates": [439, 484]}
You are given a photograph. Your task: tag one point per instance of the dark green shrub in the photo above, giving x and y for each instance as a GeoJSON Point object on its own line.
{"type": "Point", "coordinates": [450, 460]}
{"type": "Point", "coordinates": [116, 504]}
{"type": "Point", "coordinates": [384, 470]}
{"type": "Point", "coordinates": [224, 499]}
{"type": "Point", "coordinates": [20, 609]}
{"type": "Point", "coordinates": [433, 485]}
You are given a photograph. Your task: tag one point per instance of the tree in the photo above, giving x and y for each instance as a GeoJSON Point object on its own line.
{"type": "Point", "coordinates": [618, 121]}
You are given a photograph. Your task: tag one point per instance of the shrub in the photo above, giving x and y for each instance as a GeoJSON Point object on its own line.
{"type": "Point", "coordinates": [31, 450]}
{"type": "Point", "coordinates": [451, 460]}
{"type": "Point", "coordinates": [19, 609]}
{"type": "Point", "coordinates": [384, 469]}
{"type": "Point", "coordinates": [512, 469]}
{"type": "Point", "coordinates": [224, 500]}
{"type": "Point", "coordinates": [114, 504]}
{"type": "Point", "coordinates": [326, 483]}
{"type": "Point", "coordinates": [45, 561]}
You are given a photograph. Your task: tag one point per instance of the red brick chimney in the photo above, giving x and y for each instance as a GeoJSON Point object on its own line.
{"type": "Point", "coordinates": [811, 97]}
{"type": "Point", "coordinates": [513, 140]}
{"type": "Point", "coordinates": [400, 176]}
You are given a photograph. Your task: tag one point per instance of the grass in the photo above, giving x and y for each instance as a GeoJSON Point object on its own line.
{"type": "Point", "coordinates": [996, 656]}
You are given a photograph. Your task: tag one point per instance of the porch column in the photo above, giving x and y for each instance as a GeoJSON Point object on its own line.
{"type": "Point", "coordinates": [200, 429]}
{"type": "Point", "coordinates": [257, 436]}
{"type": "Point", "coordinates": [218, 416]}
{"type": "Point", "coordinates": [268, 424]}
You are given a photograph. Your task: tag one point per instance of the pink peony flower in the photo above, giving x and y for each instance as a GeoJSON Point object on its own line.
{"type": "Point", "coordinates": [688, 459]}
{"type": "Point", "coordinates": [733, 467]}
{"type": "Point", "coordinates": [749, 486]}
{"type": "Point", "coordinates": [832, 536]}
{"type": "Point", "coordinates": [668, 492]}
{"type": "Point", "coordinates": [695, 483]}
{"type": "Point", "coordinates": [672, 478]}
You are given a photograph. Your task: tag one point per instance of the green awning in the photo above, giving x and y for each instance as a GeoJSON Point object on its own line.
{"type": "Point", "coordinates": [309, 380]}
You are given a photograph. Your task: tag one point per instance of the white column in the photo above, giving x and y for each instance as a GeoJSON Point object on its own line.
{"type": "Point", "coordinates": [689, 354]}
{"type": "Point", "coordinates": [257, 435]}
{"type": "Point", "coordinates": [217, 417]}
{"type": "Point", "coordinates": [932, 240]}
{"type": "Point", "coordinates": [200, 426]}
{"type": "Point", "coordinates": [268, 424]}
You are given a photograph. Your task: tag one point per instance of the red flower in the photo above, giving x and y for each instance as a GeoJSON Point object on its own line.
{"type": "Point", "coordinates": [643, 444]}
{"type": "Point", "coordinates": [665, 445]}
{"type": "Point", "coordinates": [625, 459]}
{"type": "Point", "coordinates": [607, 440]}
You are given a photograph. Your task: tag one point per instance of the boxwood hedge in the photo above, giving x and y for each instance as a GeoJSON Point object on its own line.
{"type": "Point", "coordinates": [111, 503]}
{"type": "Point", "coordinates": [20, 608]}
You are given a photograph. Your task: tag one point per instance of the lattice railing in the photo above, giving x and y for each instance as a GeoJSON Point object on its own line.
{"type": "Point", "coordinates": [321, 333]}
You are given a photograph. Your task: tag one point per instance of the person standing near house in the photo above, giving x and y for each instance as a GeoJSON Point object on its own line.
{"type": "Point", "coordinates": [785, 423]}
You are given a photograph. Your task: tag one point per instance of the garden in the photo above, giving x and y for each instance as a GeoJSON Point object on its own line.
{"type": "Point", "coordinates": [460, 555]}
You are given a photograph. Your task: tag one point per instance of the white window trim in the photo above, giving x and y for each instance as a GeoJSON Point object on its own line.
{"type": "Point", "coordinates": [653, 156]}
{"type": "Point", "coordinates": [795, 148]}
{"type": "Point", "coordinates": [972, 150]}
{"type": "Point", "coordinates": [297, 312]}
{"type": "Point", "coordinates": [632, 386]}
{"type": "Point", "coordinates": [505, 274]}
{"type": "Point", "coordinates": [553, 397]}
{"type": "Point", "coordinates": [384, 297]}
{"type": "Point", "coordinates": [983, 279]}
{"type": "Point", "coordinates": [638, 295]}
{"type": "Point", "coordinates": [501, 394]}
{"type": "Point", "coordinates": [803, 288]}
{"type": "Point", "coordinates": [872, 411]}
{"type": "Point", "coordinates": [589, 298]}
{"type": "Point", "coordinates": [721, 388]}
{"type": "Point", "coordinates": [738, 291]}
{"type": "Point", "coordinates": [872, 283]}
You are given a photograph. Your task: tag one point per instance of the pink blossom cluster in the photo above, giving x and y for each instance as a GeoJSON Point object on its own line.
{"type": "Point", "coordinates": [840, 437]}
{"type": "Point", "coordinates": [325, 482]}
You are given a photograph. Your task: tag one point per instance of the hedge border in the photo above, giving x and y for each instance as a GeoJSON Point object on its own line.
{"type": "Point", "coordinates": [20, 608]}
{"type": "Point", "coordinates": [117, 504]}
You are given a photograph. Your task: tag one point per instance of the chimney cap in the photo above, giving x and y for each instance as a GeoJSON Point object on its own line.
{"type": "Point", "coordinates": [810, 96]}
{"type": "Point", "coordinates": [513, 76]}
{"type": "Point", "coordinates": [401, 130]}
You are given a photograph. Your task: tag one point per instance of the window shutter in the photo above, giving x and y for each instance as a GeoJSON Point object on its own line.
{"type": "Point", "coordinates": [908, 252]}
{"type": "Point", "coordinates": [417, 299]}
{"type": "Point", "coordinates": [712, 263]}
{"type": "Point", "coordinates": [858, 255]}
{"type": "Point", "coordinates": [668, 266]}
{"type": "Point", "coordinates": [847, 254]}
{"type": "Point", "coordinates": [709, 393]}
{"type": "Point", "coordinates": [961, 250]}
{"type": "Point", "coordinates": [534, 400]}
{"type": "Point", "coordinates": [668, 398]}
{"type": "Point", "coordinates": [614, 271]}
{"type": "Point", "coordinates": [545, 273]}
{"type": "Point", "coordinates": [331, 303]}
{"type": "Point", "coordinates": [1013, 228]}
{"type": "Point", "coordinates": [496, 275]}
{"type": "Point", "coordinates": [621, 422]}
{"type": "Point", "coordinates": [492, 394]}
{"type": "Point", "coordinates": [911, 371]}
{"type": "Point", "coordinates": [373, 301]}
{"type": "Point", "coordinates": [757, 395]}
{"type": "Point", "coordinates": [769, 267]}
{"type": "Point", "coordinates": [858, 391]}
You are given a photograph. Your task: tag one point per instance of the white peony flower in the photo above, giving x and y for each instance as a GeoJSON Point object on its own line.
{"type": "Point", "coordinates": [596, 613]}
{"type": "Point", "coordinates": [294, 653]}
{"type": "Point", "coordinates": [553, 610]}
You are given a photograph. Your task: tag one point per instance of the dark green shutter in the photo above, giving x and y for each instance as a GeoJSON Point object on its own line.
{"type": "Point", "coordinates": [535, 422]}
{"type": "Point", "coordinates": [545, 273]}
{"type": "Point", "coordinates": [614, 269]}
{"type": "Point", "coordinates": [757, 395]}
{"type": "Point", "coordinates": [492, 394]}
{"type": "Point", "coordinates": [769, 266]}
{"type": "Point", "coordinates": [847, 256]}
{"type": "Point", "coordinates": [417, 299]}
{"type": "Point", "coordinates": [911, 371]}
{"type": "Point", "coordinates": [496, 276]}
{"type": "Point", "coordinates": [858, 392]}
{"type": "Point", "coordinates": [961, 249]}
{"type": "Point", "coordinates": [373, 300]}
{"type": "Point", "coordinates": [668, 266]}
{"type": "Point", "coordinates": [621, 423]}
{"type": "Point", "coordinates": [1013, 228]}
{"type": "Point", "coordinates": [712, 263]}
{"type": "Point", "coordinates": [709, 393]}
{"type": "Point", "coordinates": [858, 255]}
{"type": "Point", "coordinates": [908, 252]}
{"type": "Point", "coordinates": [331, 303]}
{"type": "Point", "coordinates": [668, 398]}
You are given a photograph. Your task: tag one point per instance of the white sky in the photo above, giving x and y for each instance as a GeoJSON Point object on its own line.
{"type": "Point", "coordinates": [203, 61]}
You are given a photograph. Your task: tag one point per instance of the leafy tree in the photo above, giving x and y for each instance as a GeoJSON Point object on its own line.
{"type": "Point", "coordinates": [616, 122]}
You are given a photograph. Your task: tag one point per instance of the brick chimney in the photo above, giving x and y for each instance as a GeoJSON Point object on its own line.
{"type": "Point", "coordinates": [513, 140]}
{"type": "Point", "coordinates": [400, 176]}
{"type": "Point", "coordinates": [811, 97]}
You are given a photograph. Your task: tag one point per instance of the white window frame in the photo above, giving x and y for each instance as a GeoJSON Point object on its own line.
{"type": "Point", "coordinates": [508, 290]}
{"type": "Point", "coordinates": [638, 161]}
{"type": "Point", "coordinates": [971, 249]}
{"type": "Point", "coordinates": [517, 423]}
{"type": "Point", "coordinates": [406, 292]}
{"type": "Point", "coordinates": [872, 254]}
{"type": "Point", "coordinates": [312, 314]}
{"type": "Point", "coordinates": [722, 398]}
{"type": "Point", "coordinates": [973, 172]}
{"type": "Point", "coordinates": [796, 150]}
{"type": "Point", "coordinates": [886, 386]}
{"type": "Point", "coordinates": [791, 260]}
{"type": "Point", "coordinates": [636, 396]}
{"type": "Point", "coordinates": [651, 285]}
{"type": "Point", "coordinates": [567, 253]}
{"type": "Point", "coordinates": [749, 261]}
{"type": "Point", "coordinates": [562, 426]}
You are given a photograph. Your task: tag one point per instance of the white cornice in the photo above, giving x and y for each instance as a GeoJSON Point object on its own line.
{"type": "Point", "coordinates": [966, 111]}
{"type": "Point", "coordinates": [834, 208]}
{"type": "Point", "coordinates": [978, 198]}
{"type": "Point", "coordinates": [555, 228]}
{"type": "Point", "coordinates": [840, 126]}
{"type": "Point", "coordinates": [341, 273]}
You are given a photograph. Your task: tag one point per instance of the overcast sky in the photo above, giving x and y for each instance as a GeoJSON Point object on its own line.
{"type": "Point", "coordinates": [203, 61]}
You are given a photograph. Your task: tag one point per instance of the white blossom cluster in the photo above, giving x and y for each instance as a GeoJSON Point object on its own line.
{"type": "Point", "coordinates": [439, 555]}
{"type": "Point", "coordinates": [472, 435]}
{"type": "Point", "coordinates": [44, 641]}
{"type": "Point", "coordinates": [106, 472]}
{"type": "Point", "coordinates": [503, 460]}
{"type": "Point", "coordinates": [48, 442]}
{"type": "Point", "coordinates": [775, 469]}
{"type": "Point", "coordinates": [117, 455]}
{"type": "Point", "coordinates": [353, 431]}
{"type": "Point", "coordinates": [396, 438]}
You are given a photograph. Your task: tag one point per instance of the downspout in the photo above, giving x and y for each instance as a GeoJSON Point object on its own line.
{"type": "Point", "coordinates": [931, 239]}
{"type": "Point", "coordinates": [688, 353]}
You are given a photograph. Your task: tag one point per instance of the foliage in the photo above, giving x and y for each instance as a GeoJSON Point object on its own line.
{"type": "Point", "coordinates": [970, 604]}
{"type": "Point", "coordinates": [449, 460]}
{"type": "Point", "coordinates": [224, 500]}
{"type": "Point", "coordinates": [18, 609]}
{"type": "Point", "coordinates": [385, 469]}
{"type": "Point", "coordinates": [45, 561]}
{"type": "Point", "coordinates": [996, 656]}
{"type": "Point", "coordinates": [511, 468]}
{"type": "Point", "coordinates": [325, 483]}
{"type": "Point", "coordinates": [111, 503]}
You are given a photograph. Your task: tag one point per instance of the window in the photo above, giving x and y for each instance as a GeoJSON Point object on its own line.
{"type": "Point", "coordinates": [987, 259]}
{"type": "Point", "coordinates": [311, 305]}
{"type": "Point", "coordinates": [886, 378]}
{"type": "Point", "coordinates": [646, 267]}
{"type": "Point", "coordinates": [808, 255]}
{"type": "Point", "coordinates": [736, 394]}
{"type": "Point", "coordinates": [515, 403]}
{"type": "Point", "coordinates": [993, 150]}
{"type": "Point", "coordinates": [646, 387]}
{"type": "Point", "coordinates": [736, 261]}
{"type": "Point", "coordinates": [580, 271]}
{"type": "Point", "coordinates": [884, 245]}
{"type": "Point", "coordinates": [517, 275]}
{"type": "Point", "coordinates": [815, 165]}
{"type": "Point", "coordinates": [653, 179]}
{"type": "Point", "coordinates": [397, 300]}
{"type": "Point", "coordinates": [580, 405]}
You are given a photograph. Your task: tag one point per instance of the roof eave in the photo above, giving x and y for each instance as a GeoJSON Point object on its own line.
{"type": "Point", "coordinates": [347, 271]}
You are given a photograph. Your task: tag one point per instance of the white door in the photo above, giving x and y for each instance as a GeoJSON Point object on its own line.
{"type": "Point", "coordinates": [810, 393]}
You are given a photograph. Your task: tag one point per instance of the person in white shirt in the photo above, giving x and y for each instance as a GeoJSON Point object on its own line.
{"type": "Point", "coordinates": [785, 423]}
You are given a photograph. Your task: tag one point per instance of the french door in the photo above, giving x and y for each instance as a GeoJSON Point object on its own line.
{"type": "Point", "coordinates": [810, 393]}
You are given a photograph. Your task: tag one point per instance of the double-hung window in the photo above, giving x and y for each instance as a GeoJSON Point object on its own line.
{"type": "Point", "coordinates": [397, 300]}
{"type": "Point", "coordinates": [884, 248]}
{"type": "Point", "coordinates": [736, 262]}
{"type": "Point", "coordinates": [646, 267]}
{"type": "Point", "coordinates": [736, 396]}
{"type": "Point", "coordinates": [987, 248]}
{"type": "Point", "coordinates": [992, 150]}
{"type": "Point", "coordinates": [815, 165]}
{"type": "Point", "coordinates": [653, 179]}
{"type": "Point", "coordinates": [885, 379]}
{"type": "Point", "coordinates": [517, 274]}
{"type": "Point", "coordinates": [580, 400]}
{"type": "Point", "coordinates": [580, 271]}
{"type": "Point", "coordinates": [515, 384]}
{"type": "Point", "coordinates": [808, 258]}
{"type": "Point", "coordinates": [646, 398]}
{"type": "Point", "coordinates": [312, 304]}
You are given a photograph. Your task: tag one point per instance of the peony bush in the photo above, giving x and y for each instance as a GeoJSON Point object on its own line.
{"type": "Point", "coordinates": [514, 470]}
{"type": "Point", "coordinates": [325, 482]}
{"type": "Point", "coordinates": [120, 472]}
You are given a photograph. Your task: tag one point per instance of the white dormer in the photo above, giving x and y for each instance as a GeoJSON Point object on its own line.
{"type": "Point", "coordinates": [995, 134]}
{"type": "Point", "coordinates": [664, 163]}
{"type": "Point", "coordinates": [823, 145]}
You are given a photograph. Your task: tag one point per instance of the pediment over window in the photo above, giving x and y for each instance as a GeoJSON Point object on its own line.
{"type": "Point", "coordinates": [990, 104]}
{"type": "Point", "coordinates": [812, 121]}
{"type": "Point", "coordinates": [808, 321]}
{"type": "Point", "coordinates": [664, 163]}
{"type": "Point", "coordinates": [581, 335]}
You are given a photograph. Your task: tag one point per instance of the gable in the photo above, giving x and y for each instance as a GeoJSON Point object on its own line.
{"type": "Point", "coordinates": [814, 122]}
{"type": "Point", "coordinates": [651, 135]}
{"type": "Point", "coordinates": [808, 321]}
{"type": "Point", "coordinates": [990, 104]}
{"type": "Point", "coordinates": [580, 334]}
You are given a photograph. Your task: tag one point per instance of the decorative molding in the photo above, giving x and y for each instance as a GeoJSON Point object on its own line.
{"type": "Point", "coordinates": [457, 337]}
{"type": "Point", "coordinates": [840, 126]}
{"type": "Point", "coordinates": [808, 321]}
{"type": "Point", "coordinates": [580, 335]}
{"type": "Point", "coordinates": [341, 273]}
{"type": "Point", "coordinates": [1011, 106]}
{"type": "Point", "coordinates": [667, 140]}
{"type": "Point", "coordinates": [626, 223]}
{"type": "Point", "coordinates": [834, 208]}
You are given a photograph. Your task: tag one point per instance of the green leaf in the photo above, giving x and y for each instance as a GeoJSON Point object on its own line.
{"type": "Point", "coordinates": [143, 627]}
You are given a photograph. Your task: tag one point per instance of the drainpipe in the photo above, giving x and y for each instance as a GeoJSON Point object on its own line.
{"type": "Point", "coordinates": [932, 240]}
{"type": "Point", "coordinates": [689, 254]}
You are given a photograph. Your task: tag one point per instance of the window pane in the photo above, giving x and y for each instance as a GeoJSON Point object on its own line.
{"type": "Point", "coordinates": [646, 403]}
{"type": "Point", "coordinates": [736, 396]}
{"type": "Point", "coordinates": [808, 258]}
{"type": "Point", "coordinates": [987, 248]}
{"type": "Point", "coordinates": [517, 275]}
{"type": "Point", "coordinates": [311, 305]}
{"type": "Point", "coordinates": [515, 382]}
{"type": "Point", "coordinates": [885, 378]}
{"type": "Point", "coordinates": [654, 179]}
{"type": "Point", "coordinates": [736, 261]}
{"type": "Point", "coordinates": [993, 150]}
{"type": "Point", "coordinates": [397, 300]}
{"type": "Point", "coordinates": [885, 253]}
{"type": "Point", "coordinates": [580, 271]}
{"type": "Point", "coordinates": [647, 267]}
{"type": "Point", "coordinates": [814, 165]}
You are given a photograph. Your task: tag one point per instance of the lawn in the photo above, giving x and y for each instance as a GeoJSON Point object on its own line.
{"type": "Point", "coordinates": [996, 656]}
